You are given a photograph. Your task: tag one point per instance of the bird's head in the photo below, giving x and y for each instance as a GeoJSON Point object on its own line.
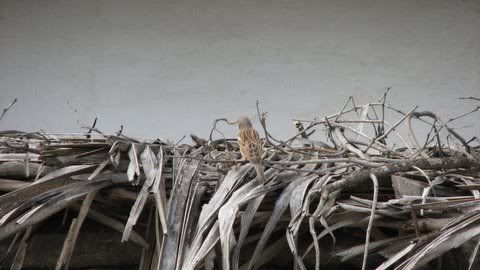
{"type": "Point", "coordinates": [298, 124]}
{"type": "Point", "coordinates": [244, 123]}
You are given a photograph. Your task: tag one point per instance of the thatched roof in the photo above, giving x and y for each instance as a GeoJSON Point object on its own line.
{"type": "Point", "coordinates": [357, 189]}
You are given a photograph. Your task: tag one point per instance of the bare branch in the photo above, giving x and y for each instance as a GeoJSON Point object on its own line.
{"type": "Point", "coordinates": [7, 108]}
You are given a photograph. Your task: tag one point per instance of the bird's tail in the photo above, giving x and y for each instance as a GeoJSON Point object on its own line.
{"type": "Point", "coordinates": [260, 173]}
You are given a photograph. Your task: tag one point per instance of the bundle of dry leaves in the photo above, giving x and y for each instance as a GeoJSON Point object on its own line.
{"type": "Point", "coordinates": [357, 189]}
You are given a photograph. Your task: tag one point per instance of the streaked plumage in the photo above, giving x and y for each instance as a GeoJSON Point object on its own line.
{"type": "Point", "coordinates": [250, 146]}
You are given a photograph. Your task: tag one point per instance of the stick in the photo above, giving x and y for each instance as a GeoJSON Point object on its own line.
{"type": "Point", "coordinates": [7, 108]}
{"type": "Point", "coordinates": [357, 178]}
{"type": "Point", "coordinates": [69, 244]}
{"type": "Point", "coordinates": [370, 220]}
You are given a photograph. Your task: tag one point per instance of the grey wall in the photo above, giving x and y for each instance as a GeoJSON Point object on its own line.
{"type": "Point", "coordinates": [166, 68]}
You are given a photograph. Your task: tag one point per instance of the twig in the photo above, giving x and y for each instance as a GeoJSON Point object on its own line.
{"type": "Point", "coordinates": [472, 98]}
{"type": "Point", "coordinates": [93, 126]}
{"type": "Point", "coordinates": [463, 115]}
{"type": "Point", "coordinates": [343, 108]}
{"type": "Point", "coordinates": [261, 117]}
{"type": "Point", "coordinates": [181, 139]}
{"type": "Point", "coordinates": [75, 112]}
{"type": "Point", "coordinates": [83, 126]}
{"type": "Point", "coordinates": [370, 221]}
{"type": "Point", "coordinates": [397, 124]}
{"type": "Point", "coordinates": [341, 121]}
{"type": "Point", "coordinates": [7, 108]}
{"type": "Point", "coordinates": [344, 142]}
{"type": "Point", "coordinates": [214, 128]}
{"type": "Point", "coordinates": [450, 130]}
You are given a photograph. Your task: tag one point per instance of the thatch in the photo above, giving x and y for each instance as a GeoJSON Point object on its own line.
{"type": "Point", "coordinates": [356, 189]}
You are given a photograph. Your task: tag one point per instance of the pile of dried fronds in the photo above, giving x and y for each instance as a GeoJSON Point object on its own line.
{"type": "Point", "coordinates": [356, 189]}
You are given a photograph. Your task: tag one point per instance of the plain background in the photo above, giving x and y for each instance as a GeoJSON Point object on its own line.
{"type": "Point", "coordinates": [168, 68]}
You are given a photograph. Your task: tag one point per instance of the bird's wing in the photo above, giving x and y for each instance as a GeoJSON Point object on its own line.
{"type": "Point", "coordinates": [250, 145]}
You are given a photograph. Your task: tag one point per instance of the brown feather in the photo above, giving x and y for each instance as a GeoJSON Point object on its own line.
{"type": "Point", "coordinates": [251, 146]}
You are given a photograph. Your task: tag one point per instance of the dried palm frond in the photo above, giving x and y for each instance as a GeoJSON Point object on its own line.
{"type": "Point", "coordinates": [366, 193]}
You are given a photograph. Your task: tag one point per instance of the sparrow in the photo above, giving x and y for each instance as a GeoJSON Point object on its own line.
{"type": "Point", "coordinates": [250, 146]}
{"type": "Point", "coordinates": [301, 129]}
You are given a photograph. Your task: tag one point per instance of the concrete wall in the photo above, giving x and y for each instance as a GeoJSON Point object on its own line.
{"type": "Point", "coordinates": [166, 68]}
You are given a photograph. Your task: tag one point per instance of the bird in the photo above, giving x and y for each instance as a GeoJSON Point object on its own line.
{"type": "Point", "coordinates": [301, 129]}
{"type": "Point", "coordinates": [250, 146]}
